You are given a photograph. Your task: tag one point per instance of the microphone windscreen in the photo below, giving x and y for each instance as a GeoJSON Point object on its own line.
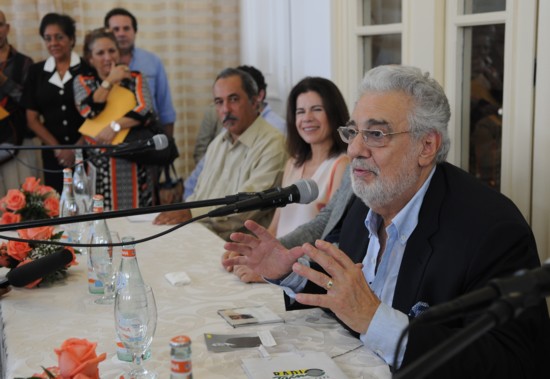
{"type": "Point", "coordinates": [160, 141]}
{"type": "Point", "coordinates": [308, 190]}
{"type": "Point", "coordinates": [28, 273]}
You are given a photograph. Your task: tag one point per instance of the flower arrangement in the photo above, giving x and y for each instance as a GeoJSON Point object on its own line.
{"type": "Point", "coordinates": [32, 201]}
{"type": "Point", "coordinates": [76, 359]}
{"type": "Point", "coordinates": [14, 253]}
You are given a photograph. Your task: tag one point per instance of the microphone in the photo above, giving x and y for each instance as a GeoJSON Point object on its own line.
{"type": "Point", "coordinates": [39, 268]}
{"type": "Point", "coordinates": [303, 191]}
{"type": "Point", "coordinates": [157, 142]}
{"type": "Point", "coordinates": [528, 285]}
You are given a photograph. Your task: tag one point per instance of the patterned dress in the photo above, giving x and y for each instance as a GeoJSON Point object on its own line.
{"type": "Point", "coordinates": [124, 184]}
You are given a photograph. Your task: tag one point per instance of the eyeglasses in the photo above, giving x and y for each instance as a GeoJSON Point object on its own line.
{"type": "Point", "coordinates": [372, 138]}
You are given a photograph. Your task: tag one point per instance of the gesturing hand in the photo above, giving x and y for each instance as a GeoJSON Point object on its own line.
{"type": "Point", "coordinates": [348, 294]}
{"type": "Point", "coordinates": [261, 252]}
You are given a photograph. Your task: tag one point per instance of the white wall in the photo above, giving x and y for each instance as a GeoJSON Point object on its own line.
{"type": "Point", "coordinates": [286, 40]}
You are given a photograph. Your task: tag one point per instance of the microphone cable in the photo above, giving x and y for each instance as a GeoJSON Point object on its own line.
{"type": "Point", "coordinates": [20, 161]}
{"type": "Point", "coordinates": [59, 243]}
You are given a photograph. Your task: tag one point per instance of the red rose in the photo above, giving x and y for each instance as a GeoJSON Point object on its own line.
{"type": "Point", "coordinates": [10, 218]}
{"type": "Point", "coordinates": [40, 233]}
{"type": "Point", "coordinates": [18, 250]}
{"type": "Point", "coordinates": [51, 204]}
{"type": "Point", "coordinates": [15, 200]}
{"type": "Point", "coordinates": [77, 359]}
{"type": "Point", "coordinates": [31, 184]}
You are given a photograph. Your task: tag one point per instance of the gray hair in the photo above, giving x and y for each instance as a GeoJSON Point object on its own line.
{"type": "Point", "coordinates": [248, 83]}
{"type": "Point", "coordinates": [431, 111]}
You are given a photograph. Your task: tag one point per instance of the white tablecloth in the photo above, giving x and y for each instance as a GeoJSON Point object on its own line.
{"type": "Point", "coordinates": [38, 320]}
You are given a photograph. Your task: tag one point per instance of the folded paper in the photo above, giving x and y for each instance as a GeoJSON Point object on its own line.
{"type": "Point", "coordinates": [177, 279]}
{"type": "Point", "coordinates": [119, 102]}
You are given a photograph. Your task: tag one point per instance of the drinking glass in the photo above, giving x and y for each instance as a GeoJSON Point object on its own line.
{"type": "Point", "coordinates": [136, 321]}
{"type": "Point", "coordinates": [102, 264]}
{"type": "Point", "coordinates": [117, 255]}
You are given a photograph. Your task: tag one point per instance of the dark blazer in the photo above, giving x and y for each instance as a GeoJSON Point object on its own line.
{"type": "Point", "coordinates": [467, 234]}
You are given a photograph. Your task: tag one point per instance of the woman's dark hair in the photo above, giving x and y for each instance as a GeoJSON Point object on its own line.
{"type": "Point", "coordinates": [94, 35]}
{"type": "Point", "coordinates": [66, 23]}
{"type": "Point", "coordinates": [335, 109]}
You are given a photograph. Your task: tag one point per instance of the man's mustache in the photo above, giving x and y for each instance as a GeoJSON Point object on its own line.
{"type": "Point", "coordinates": [229, 117]}
{"type": "Point", "coordinates": [362, 164]}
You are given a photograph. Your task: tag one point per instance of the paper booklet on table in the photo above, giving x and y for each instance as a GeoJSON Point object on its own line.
{"type": "Point", "coordinates": [303, 365]}
{"type": "Point", "coordinates": [219, 343]}
{"type": "Point", "coordinates": [244, 316]}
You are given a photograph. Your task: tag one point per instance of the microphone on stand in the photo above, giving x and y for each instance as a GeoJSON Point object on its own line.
{"type": "Point", "coordinates": [503, 299]}
{"type": "Point", "coordinates": [531, 284]}
{"type": "Point", "coordinates": [157, 142]}
{"type": "Point", "coordinates": [23, 275]}
{"type": "Point", "coordinates": [303, 191]}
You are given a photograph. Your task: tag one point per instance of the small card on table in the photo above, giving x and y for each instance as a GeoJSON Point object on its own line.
{"type": "Point", "coordinates": [245, 316]}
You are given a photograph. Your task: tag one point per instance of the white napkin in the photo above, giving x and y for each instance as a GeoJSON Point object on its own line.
{"type": "Point", "coordinates": [149, 217]}
{"type": "Point", "coordinates": [178, 279]}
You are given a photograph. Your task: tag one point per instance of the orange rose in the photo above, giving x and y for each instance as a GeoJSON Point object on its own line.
{"type": "Point", "coordinates": [10, 218]}
{"type": "Point", "coordinates": [31, 184]}
{"type": "Point", "coordinates": [45, 190]}
{"type": "Point", "coordinates": [77, 359]}
{"type": "Point", "coordinates": [51, 204]}
{"type": "Point", "coordinates": [37, 281]}
{"type": "Point", "coordinates": [18, 250]}
{"type": "Point", "coordinates": [39, 233]}
{"type": "Point", "coordinates": [15, 200]}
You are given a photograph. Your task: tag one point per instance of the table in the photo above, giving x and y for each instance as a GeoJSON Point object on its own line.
{"type": "Point", "coordinates": [38, 320]}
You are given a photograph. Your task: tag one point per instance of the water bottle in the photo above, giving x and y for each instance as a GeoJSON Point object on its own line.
{"type": "Point", "coordinates": [99, 233]}
{"type": "Point", "coordinates": [81, 184]}
{"type": "Point", "coordinates": [68, 208]}
{"type": "Point", "coordinates": [128, 275]}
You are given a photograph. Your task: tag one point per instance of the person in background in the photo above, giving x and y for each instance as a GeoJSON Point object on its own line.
{"type": "Point", "coordinates": [123, 184]}
{"type": "Point", "coordinates": [125, 27]}
{"type": "Point", "coordinates": [49, 99]}
{"type": "Point", "coordinates": [411, 250]}
{"type": "Point", "coordinates": [14, 67]}
{"type": "Point", "coordinates": [248, 156]}
{"type": "Point", "coordinates": [211, 125]}
{"type": "Point", "coordinates": [315, 110]}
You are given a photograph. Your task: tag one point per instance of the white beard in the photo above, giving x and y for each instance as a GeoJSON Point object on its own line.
{"type": "Point", "coordinates": [383, 190]}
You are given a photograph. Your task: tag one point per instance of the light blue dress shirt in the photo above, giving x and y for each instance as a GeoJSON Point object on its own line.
{"type": "Point", "coordinates": [152, 68]}
{"type": "Point", "coordinates": [388, 323]}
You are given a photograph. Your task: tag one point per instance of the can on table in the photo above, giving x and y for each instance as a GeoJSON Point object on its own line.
{"type": "Point", "coordinates": [180, 358]}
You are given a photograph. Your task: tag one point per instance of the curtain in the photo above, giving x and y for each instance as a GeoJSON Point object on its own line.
{"type": "Point", "coordinates": [194, 38]}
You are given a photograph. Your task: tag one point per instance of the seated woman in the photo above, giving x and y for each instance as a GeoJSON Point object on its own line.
{"type": "Point", "coordinates": [123, 184]}
{"type": "Point", "coordinates": [315, 110]}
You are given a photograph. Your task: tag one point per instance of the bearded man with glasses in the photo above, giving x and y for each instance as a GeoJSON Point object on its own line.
{"type": "Point", "coordinates": [430, 234]}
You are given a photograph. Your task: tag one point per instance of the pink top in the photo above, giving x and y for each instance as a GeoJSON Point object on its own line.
{"type": "Point", "coordinates": [294, 215]}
